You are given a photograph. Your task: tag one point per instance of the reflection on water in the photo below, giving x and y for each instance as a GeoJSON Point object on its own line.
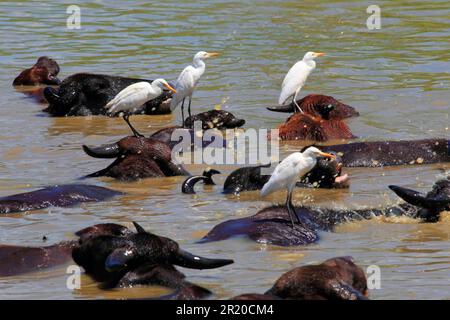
{"type": "Point", "coordinates": [396, 77]}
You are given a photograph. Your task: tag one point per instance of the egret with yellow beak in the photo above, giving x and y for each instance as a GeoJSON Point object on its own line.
{"type": "Point", "coordinates": [188, 80]}
{"type": "Point", "coordinates": [133, 98]}
{"type": "Point", "coordinates": [296, 77]}
{"type": "Point", "coordinates": [289, 171]}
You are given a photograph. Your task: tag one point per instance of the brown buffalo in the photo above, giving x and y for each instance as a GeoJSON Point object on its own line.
{"type": "Point", "coordinates": [335, 279]}
{"type": "Point", "coordinates": [303, 126]}
{"type": "Point", "coordinates": [320, 105]}
{"type": "Point", "coordinates": [44, 71]}
{"type": "Point", "coordinates": [136, 158]}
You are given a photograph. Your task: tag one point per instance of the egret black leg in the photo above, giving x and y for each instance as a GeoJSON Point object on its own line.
{"type": "Point", "coordinates": [189, 108]}
{"type": "Point", "coordinates": [294, 101]}
{"type": "Point", "coordinates": [135, 132]}
{"type": "Point", "coordinates": [291, 209]}
{"type": "Point", "coordinates": [293, 104]}
{"type": "Point", "coordinates": [182, 112]}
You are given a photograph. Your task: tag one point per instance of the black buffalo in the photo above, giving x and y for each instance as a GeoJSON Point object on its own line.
{"type": "Point", "coordinates": [272, 225]}
{"type": "Point", "coordinates": [84, 94]}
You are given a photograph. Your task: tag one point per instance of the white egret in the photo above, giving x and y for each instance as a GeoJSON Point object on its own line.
{"type": "Point", "coordinates": [134, 97]}
{"type": "Point", "coordinates": [296, 77]}
{"type": "Point", "coordinates": [188, 80]}
{"type": "Point", "coordinates": [289, 171]}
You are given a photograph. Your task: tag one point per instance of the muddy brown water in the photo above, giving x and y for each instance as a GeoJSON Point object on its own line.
{"type": "Point", "coordinates": [397, 78]}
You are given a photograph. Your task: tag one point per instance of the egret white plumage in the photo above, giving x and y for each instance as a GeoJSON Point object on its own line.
{"type": "Point", "coordinates": [134, 97]}
{"type": "Point", "coordinates": [188, 80]}
{"type": "Point", "coordinates": [289, 171]}
{"type": "Point", "coordinates": [296, 77]}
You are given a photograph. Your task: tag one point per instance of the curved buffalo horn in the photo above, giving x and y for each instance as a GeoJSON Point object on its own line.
{"type": "Point", "coordinates": [105, 151]}
{"type": "Point", "coordinates": [208, 173]}
{"type": "Point", "coordinates": [187, 260]}
{"type": "Point", "coordinates": [289, 108]}
{"type": "Point", "coordinates": [188, 185]}
{"type": "Point", "coordinates": [419, 199]}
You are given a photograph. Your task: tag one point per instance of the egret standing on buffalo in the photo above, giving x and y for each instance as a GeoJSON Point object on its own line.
{"type": "Point", "coordinates": [134, 97]}
{"type": "Point", "coordinates": [187, 81]}
{"type": "Point", "coordinates": [289, 171]}
{"type": "Point", "coordinates": [296, 77]}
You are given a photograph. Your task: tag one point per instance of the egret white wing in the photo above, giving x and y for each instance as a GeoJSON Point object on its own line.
{"type": "Point", "coordinates": [284, 174]}
{"type": "Point", "coordinates": [131, 89]}
{"type": "Point", "coordinates": [130, 98]}
{"type": "Point", "coordinates": [295, 79]}
{"type": "Point", "coordinates": [184, 86]}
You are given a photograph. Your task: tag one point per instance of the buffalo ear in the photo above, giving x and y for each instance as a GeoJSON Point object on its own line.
{"type": "Point", "coordinates": [139, 228]}
{"type": "Point", "coordinates": [118, 259]}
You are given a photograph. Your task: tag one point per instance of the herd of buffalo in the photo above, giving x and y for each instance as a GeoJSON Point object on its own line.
{"type": "Point", "coordinates": [117, 256]}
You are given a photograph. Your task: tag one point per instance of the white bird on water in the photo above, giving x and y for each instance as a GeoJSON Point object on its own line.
{"type": "Point", "coordinates": [133, 98]}
{"type": "Point", "coordinates": [296, 77]}
{"type": "Point", "coordinates": [188, 80]}
{"type": "Point", "coordinates": [289, 171]}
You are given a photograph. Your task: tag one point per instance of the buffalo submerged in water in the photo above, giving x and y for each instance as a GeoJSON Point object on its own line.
{"type": "Point", "coordinates": [272, 225]}
{"type": "Point", "coordinates": [136, 158]}
{"type": "Point", "coordinates": [326, 174]}
{"type": "Point", "coordinates": [116, 257]}
{"type": "Point", "coordinates": [321, 105]}
{"type": "Point", "coordinates": [84, 94]}
{"type": "Point", "coordinates": [392, 153]}
{"type": "Point", "coordinates": [44, 71]}
{"type": "Point", "coordinates": [55, 196]}
{"type": "Point", "coordinates": [334, 279]}
{"type": "Point", "coordinates": [321, 119]}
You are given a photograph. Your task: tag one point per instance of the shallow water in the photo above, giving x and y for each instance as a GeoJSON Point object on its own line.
{"type": "Point", "coordinates": [397, 77]}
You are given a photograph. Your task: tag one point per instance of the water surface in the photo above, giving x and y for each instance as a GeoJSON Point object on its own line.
{"type": "Point", "coordinates": [397, 77]}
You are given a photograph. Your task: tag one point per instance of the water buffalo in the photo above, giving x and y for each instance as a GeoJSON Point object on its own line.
{"type": "Point", "coordinates": [18, 260]}
{"type": "Point", "coordinates": [85, 94]}
{"type": "Point", "coordinates": [320, 105]}
{"type": "Point", "coordinates": [303, 126]}
{"type": "Point", "coordinates": [187, 140]}
{"type": "Point", "coordinates": [326, 174]}
{"type": "Point", "coordinates": [272, 225]}
{"type": "Point", "coordinates": [334, 279]}
{"type": "Point", "coordinates": [117, 257]}
{"type": "Point", "coordinates": [55, 196]}
{"type": "Point", "coordinates": [44, 71]}
{"type": "Point", "coordinates": [136, 158]}
{"type": "Point", "coordinates": [212, 119]}
{"type": "Point", "coordinates": [215, 119]}
{"type": "Point", "coordinates": [138, 258]}
{"type": "Point", "coordinates": [391, 153]}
